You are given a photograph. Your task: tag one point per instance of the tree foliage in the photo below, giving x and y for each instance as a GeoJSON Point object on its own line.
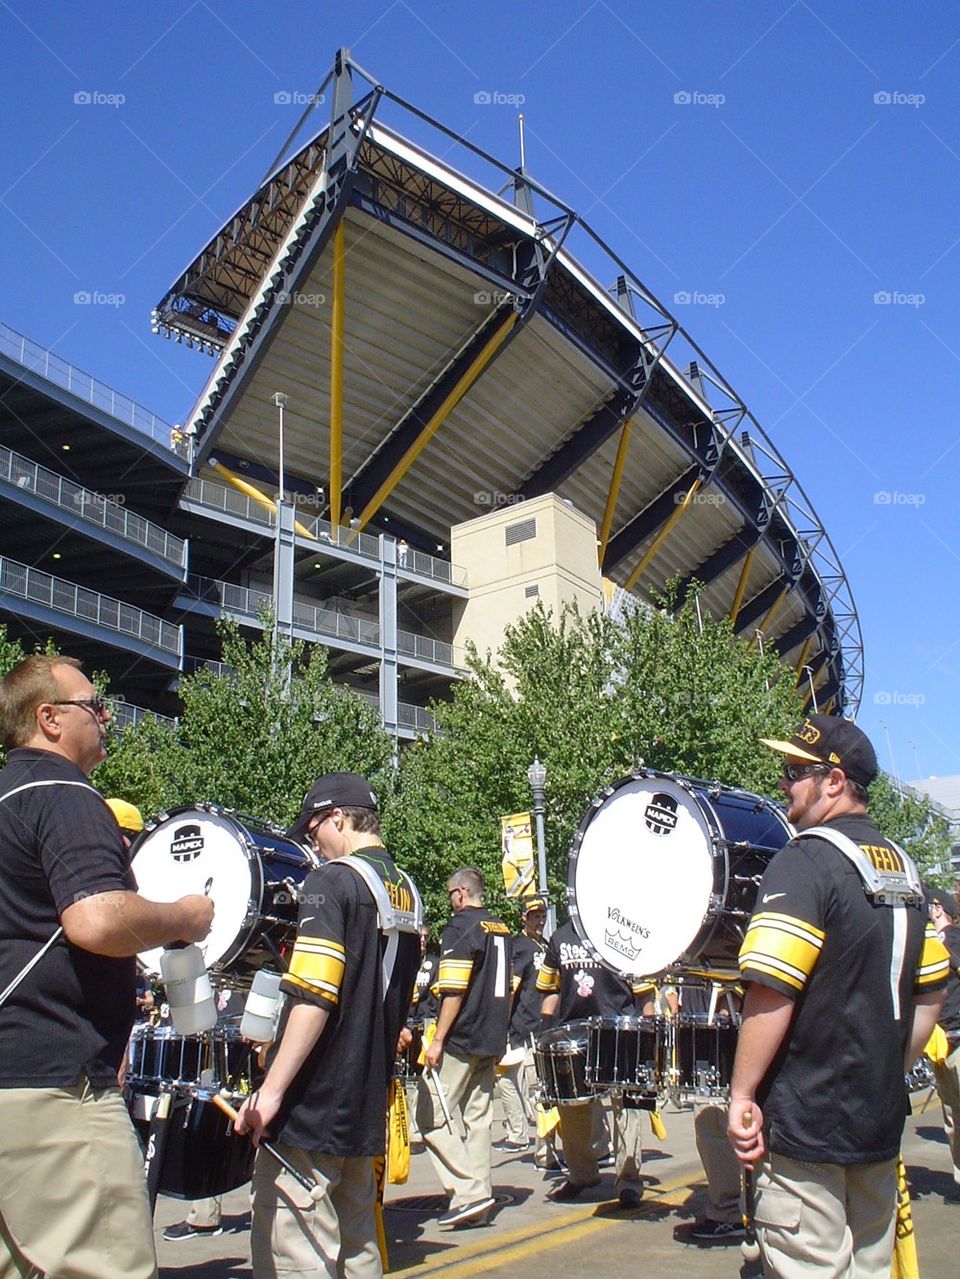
{"type": "Point", "coordinates": [593, 698]}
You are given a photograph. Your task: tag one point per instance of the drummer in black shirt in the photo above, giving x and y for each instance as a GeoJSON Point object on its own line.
{"type": "Point", "coordinates": [324, 1097]}
{"type": "Point", "coordinates": [471, 1034]}
{"type": "Point", "coordinates": [574, 986]}
{"type": "Point", "coordinates": [515, 1070]}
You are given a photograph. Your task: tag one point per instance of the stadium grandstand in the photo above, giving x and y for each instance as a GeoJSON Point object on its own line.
{"type": "Point", "coordinates": [402, 348]}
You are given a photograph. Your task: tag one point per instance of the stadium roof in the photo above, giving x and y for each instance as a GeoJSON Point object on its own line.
{"type": "Point", "coordinates": [445, 344]}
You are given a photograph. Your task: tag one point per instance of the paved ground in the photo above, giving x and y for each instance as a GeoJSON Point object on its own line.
{"type": "Point", "coordinates": [590, 1236]}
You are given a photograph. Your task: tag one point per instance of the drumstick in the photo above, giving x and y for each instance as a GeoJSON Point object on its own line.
{"type": "Point", "coordinates": [219, 1099]}
{"type": "Point", "coordinates": [749, 1249]}
{"type": "Point", "coordinates": [432, 1074]}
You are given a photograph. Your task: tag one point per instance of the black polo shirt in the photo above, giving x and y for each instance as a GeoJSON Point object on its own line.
{"type": "Point", "coordinates": [528, 955]}
{"type": "Point", "coordinates": [337, 1102]}
{"type": "Point", "coordinates": [59, 843]}
{"type": "Point", "coordinates": [586, 987]}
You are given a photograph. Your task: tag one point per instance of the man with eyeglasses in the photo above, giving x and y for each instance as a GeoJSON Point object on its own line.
{"type": "Point", "coordinates": [72, 1192]}
{"type": "Point", "coordinates": [845, 979]}
{"type": "Point", "coordinates": [474, 983]}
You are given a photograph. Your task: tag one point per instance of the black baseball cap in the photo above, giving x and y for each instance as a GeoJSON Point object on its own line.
{"type": "Point", "coordinates": [946, 901]}
{"type": "Point", "coordinates": [333, 790]}
{"type": "Point", "coordinates": [830, 740]}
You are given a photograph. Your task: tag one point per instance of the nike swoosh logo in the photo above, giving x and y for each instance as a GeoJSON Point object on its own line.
{"type": "Point", "coordinates": [772, 897]}
{"type": "Point", "coordinates": [449, 952]}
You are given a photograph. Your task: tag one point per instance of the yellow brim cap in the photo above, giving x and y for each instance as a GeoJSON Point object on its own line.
{"type": "Point", "coordinates": [788, 748]}
{"type": "Point", "coordinates": [128, 817]}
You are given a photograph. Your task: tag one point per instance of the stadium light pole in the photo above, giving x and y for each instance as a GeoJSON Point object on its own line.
{"type": "Point", "coordinates": [537, 777]}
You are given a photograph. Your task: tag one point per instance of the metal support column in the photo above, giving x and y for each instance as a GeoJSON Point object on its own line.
{"type": "Point", "coordinates": [742, 585]}
{"type": "Point", "coordinates": [283, 565]}
{"type": "Point", "coordinates": [336, 376]}
{"type": "Point", "coordinates": [389, 665]}
{"type": "Point", "coordinates": [662, 536]}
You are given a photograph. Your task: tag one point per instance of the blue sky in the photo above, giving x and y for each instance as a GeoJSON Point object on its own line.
{"type": "Point", "coordinates": [796, 164]}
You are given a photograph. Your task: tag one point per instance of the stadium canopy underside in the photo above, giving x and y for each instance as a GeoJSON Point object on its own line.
{"type": "Point", "coordinates": [450, 342]}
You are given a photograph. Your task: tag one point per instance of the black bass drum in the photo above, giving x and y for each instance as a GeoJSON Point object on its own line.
{"type": "Point", "coordinates": [663, 872]}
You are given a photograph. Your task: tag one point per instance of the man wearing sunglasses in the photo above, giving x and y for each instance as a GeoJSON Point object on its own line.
{"type": "Point", "coordinates": [844, 983]}
{"type": "Point", "coordinates": [72, 1192]}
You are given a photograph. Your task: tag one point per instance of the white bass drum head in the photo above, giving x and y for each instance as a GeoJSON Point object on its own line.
{"type": "Point", "coordinates": [641, 874]}
{"type": "Point", "coordinates": [203, 852]}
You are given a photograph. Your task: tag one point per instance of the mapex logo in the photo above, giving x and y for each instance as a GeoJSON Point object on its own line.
{"type": "Point", "coordinates": [893, 98]}
{"type": "Point", "coordinates": [661, 814]}
{"type": "Point", "coordinates": [187, 843]}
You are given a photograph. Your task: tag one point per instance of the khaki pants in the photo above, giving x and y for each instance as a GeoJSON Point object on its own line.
{"type": "Point", "coordinates": [586, 1141]}
{"type": "Point", "coordinates": [719, 1163]}
{"type": "Point", "coordinates": [947, 1074]}
{"type": "Point", "coordinates": [511, 1088]}
{"type": "Point", "coordinates": [833, 1220]}
{"type": "Point", "coordinates": [461, 1163]}
{"type": "Point", "coordinates": [72, 1189]}
{"type": "Point", "coordinates": [331, 1231]}
{"type": "Point", "coordinates": [204, 1213]}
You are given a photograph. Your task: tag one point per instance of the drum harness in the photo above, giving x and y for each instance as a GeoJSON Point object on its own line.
{"type": "Point", "coordinates": [883, 887]}
{"type": "Point", "coordinates": [391, 920]}
{"type": "Point", "coordinates": [32, 963]}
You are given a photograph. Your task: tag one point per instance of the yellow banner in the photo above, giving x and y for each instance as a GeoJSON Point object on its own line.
{"type": "Point", "coordinates": [519, 867]}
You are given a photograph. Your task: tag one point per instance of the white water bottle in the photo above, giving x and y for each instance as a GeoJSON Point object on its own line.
{"type": "Point", "coordinates": [259, 1021]}
{"type": "Point", "coordinates": [193, 1008]}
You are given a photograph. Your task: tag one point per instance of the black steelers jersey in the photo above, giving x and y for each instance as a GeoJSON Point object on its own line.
{"type": "Point", "coordinates": [475, 959]}
{"type": "Point", "coordinates": [528, 955]}
{"type": "Point", "coordinates": [424, 1004]}
{"type": "Point", "coordinates": [835, 1091]}
{"type": "Point", "coordinates": [337, 1101]}
{"type": "Point", "coordinates": [586, 988]}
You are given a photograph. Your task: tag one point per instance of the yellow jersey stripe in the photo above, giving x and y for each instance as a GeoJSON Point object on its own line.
{"type": "Point", "coordinates": [799, 926]}
{"type": "Point", "coordinates": [315, 968]}
{"type": "Point", "coordinates": [330, 994]}
{"type": "Point", "coordinates": [934, 965]}
{"type": "Point", "coordinates": [548, 980]}
{"type": "Point", "coordinates": [758, 964]}
{"type": "Point", "coordinates": [454, 974]}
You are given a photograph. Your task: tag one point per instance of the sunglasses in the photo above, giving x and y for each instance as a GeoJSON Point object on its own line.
{"type": "Point", "coordinates": [797, 772]}
{"type": "Point", "coordinates": [95, 704]}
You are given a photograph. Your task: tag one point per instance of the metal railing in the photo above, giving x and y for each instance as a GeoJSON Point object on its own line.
{"type": "Point", "coordinates": [126, 715]}
{"type": "Point", "coordinates": [347, 539]}
{"type": "Point", "coordinates": [95, 508]}
{"type": "Point", "coordinates": [39, 359]}
{"type": "Point", "coordinates": [230, 501]}
{"type": "Point", "coordinates": [429, 566]}
{"type": "Point", "coordinates": [408, 715]}
{"type": "Point", "coordinates": [421, 646]}
{"type": "Point", "coordinates": [330, 623]}
{"type": "Point", "coordinates": [78, 601]}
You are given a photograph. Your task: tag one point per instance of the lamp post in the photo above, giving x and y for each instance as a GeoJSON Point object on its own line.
{"type": "Point", "coordinates": [537, 777]}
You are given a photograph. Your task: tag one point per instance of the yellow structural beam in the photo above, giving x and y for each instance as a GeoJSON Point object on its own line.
{"type": "Point", "coordinates": [742, 585]}
{"type": "Point", "coordinates": [619, 464]}
{"type": "Point", "coordinates": [261, 499]}
{"type": "Point", "coordinates": [804, 654]}
{"type": "Point", "coordinates": [449, 403]}
{"type": "Point", "coordinates": [668, 526]}
{"type": "Point", "coordinates": [762, 628]}
{"type": "Point", "coordinates": [336, 376]}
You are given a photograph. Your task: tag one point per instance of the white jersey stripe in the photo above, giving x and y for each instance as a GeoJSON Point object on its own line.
{"type": "Point", "coordinates": [897, 957]}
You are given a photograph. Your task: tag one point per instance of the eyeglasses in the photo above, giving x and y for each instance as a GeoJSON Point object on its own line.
{"type": "Point", "coordinates": [95, 704]}
{"type": "Point", "coordinates": [797, 772]}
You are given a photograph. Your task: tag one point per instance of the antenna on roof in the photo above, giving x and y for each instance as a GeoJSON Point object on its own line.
{"type": "Point", "coordinates": [523, 154]}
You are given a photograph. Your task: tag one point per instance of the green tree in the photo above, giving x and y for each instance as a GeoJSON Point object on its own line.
{"type": "Point", "coordinates": [910, 820]}
{"type": "Point", "coordinates": [593, 698]}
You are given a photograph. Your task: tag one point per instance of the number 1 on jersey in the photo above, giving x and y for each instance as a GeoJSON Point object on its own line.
{"type": "Point", "coordinates": [500, 982]}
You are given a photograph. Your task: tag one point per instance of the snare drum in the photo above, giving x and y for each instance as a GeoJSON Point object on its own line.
{"type": "Point", "coordinates": [623, 1053]}
{"type": "Point", "coordinates": [703, 1056]}
{"type": "Point", "coordinates": [202, 1155]}
{"type": "Point", "coordinates": [252, 873]}
{"type": "Point", "coordinates": [663, 872]}
{"type": "Point", "coordinates": [560, 1058]}
{"type": "Point", "coordinates": [408, 1067]}
{"type": "Point", "coordinates": [158, 1055]}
